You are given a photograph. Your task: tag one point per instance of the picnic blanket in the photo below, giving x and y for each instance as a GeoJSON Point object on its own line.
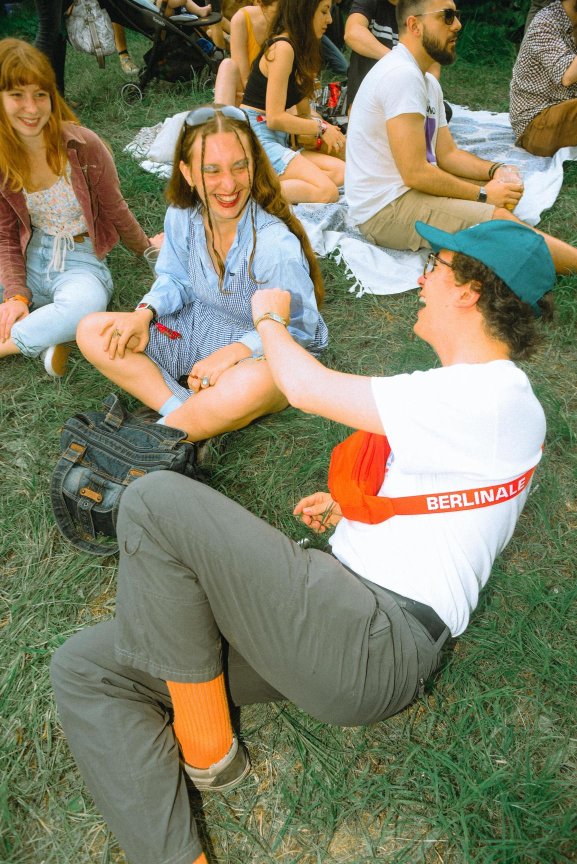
{"type": "Point", "coordinates": [371, 268]}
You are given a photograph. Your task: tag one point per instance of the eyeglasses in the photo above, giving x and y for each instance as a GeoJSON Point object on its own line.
{"type": "Point", "coordinates": [200, 116]}
{"type": "Point", "coordinates": [449, 15]}
{"type": "Point", "coordinates": [431, 261]}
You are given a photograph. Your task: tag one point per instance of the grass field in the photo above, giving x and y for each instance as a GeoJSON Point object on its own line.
{"type": "Point", "coordinates": [483, 769]}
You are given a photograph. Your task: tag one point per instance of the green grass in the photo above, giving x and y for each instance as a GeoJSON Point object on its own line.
{"type": "Point", "coordinates": [483, 769]}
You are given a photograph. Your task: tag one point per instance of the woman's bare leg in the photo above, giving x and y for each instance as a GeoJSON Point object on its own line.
{"type": "Point", "coordinates": [241, 394]}
{"type": "Point", "coordinates": [228, 84]}
{"type": "Point", "coordinates": [8, 348]}
{"type": "Point", "coordinates": [312, 179]}
{"type": "Point", "coordinates": [135, 373]}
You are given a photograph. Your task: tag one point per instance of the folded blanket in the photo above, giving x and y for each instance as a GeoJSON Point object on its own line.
{"type": "Point", "coordinates": [371, 268]}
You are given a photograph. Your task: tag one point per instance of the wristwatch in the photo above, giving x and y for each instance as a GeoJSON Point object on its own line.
{"type": "Point", "coordinates": [147, 306]}
{"type": "Point", "coordinates": [482, 196]}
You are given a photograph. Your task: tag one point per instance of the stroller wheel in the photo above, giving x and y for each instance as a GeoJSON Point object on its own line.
{"type": "Point", "coordinates": [131, 93]}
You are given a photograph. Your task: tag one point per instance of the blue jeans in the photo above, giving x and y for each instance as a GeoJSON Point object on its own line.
{"type": "Point", "coordinates": [274, 143]}
{"type": "Point", "coordinates": [333, 58]}
{"type": "Point", "coordinates": [60, 300]}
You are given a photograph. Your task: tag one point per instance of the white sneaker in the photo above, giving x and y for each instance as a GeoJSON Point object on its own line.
{"type": "Point", "coordinates": [225, 774]}
{"type": "Point", "coordinates": [55, 359]}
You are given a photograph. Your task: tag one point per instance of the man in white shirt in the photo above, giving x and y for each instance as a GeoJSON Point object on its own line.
{"type": "Point", "coordinates": [402, 162]}
{"type": "Point", "coordinates": [349, 637]}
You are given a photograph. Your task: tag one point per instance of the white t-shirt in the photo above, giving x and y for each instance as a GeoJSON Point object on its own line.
{"type": "Point", "coordinates": [458, 427]}
{"type": "Point", "coordinates": [394, 86]}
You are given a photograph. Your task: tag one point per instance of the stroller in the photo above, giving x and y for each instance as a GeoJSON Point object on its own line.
{"type": "Point", "coordinates": [186, 31]}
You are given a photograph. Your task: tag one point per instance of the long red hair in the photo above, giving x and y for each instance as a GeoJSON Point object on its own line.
{"type": "Point", "coordinates": [21, 64]}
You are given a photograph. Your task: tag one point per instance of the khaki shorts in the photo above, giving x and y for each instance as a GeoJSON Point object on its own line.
{"type": "Point", "coordinates": [394, 225]}
{"type": "Point", "coordinates": [553, 128]}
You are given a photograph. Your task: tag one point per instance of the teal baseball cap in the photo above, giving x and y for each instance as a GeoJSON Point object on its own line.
{"type": "Point", "coordinates": [518, 255]}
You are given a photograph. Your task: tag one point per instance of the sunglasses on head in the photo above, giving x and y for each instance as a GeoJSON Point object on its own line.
{"type": "Point", "coordinates": [449, 15]}
{"type": "Point", "coordinates": [200, 116]}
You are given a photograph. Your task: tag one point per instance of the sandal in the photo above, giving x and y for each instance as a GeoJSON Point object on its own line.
{"type": "Point", "coordinates": [127, 64]}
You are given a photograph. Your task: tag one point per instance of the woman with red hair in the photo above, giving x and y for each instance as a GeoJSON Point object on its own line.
{"type": "Point", "coordinates": [61, 212]}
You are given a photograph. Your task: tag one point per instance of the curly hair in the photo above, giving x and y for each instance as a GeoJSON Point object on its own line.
{"type": "Point", "coordinates": [506, 316]}
{"type": "Point", "coordinates": [21, 65]}
{"type": "Point", "coordinates": [265, 186]}
{"type": "Point", "coordinates": [295, 18]}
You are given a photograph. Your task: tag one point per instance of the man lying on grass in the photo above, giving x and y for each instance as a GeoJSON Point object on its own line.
{"type": "Point", "coordinates": [349, 637]}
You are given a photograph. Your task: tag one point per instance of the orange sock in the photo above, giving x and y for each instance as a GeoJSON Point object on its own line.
{"type": "Point", "coordinates": [201, 721]}
{"type": "Point", "coordinates": [201, 859]}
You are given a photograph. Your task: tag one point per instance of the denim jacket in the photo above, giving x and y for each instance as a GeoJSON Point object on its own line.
{"type": "Point", "coordinates": [96, 185]}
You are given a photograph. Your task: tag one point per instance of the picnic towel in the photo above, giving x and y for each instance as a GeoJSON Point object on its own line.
{"type": "Point", "coordinates": [371, 268]}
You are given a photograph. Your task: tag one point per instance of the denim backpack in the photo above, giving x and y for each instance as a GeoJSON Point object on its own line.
{"type": "Point", "coordinates": [102, 452]}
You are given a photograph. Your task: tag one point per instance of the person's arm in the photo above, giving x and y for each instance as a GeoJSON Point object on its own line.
{"type": "Point", "coordinates": [280, 63]}
{"type": "Point", "coordinates": [570, 76]}
{"type": "Point", "coordinates": [12, 261]}
{"type": "Point", "coordinates": [288, 270]}
{"type": "Point", "coordinates": [172, 290]}
{"type": "Point", "coordinates": [11, 310]}
{"type": "Point", "coordinates": [239, 45]}
{"type": "Point", "coordinates": [549, 47]}
{"type": "Point", "coordinates": [408, 146]}
{"type": "Point", "coordinates": [105, 185]}
{"type": "Point", "coordinates": [360, 39]}
{"type": "Point", "coordinates": [306, 383]}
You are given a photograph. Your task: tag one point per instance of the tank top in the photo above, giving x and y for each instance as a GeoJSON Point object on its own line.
{"type": "Point", "coordinates": [253, 47]}
{"type": "Point", "coordinates": [255, 90]}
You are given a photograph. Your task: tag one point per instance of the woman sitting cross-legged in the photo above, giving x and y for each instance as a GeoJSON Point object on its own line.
{"type": "Point", "coordinates": [190, 350]}
{"type": "Point", "coordinates": [283, 76]}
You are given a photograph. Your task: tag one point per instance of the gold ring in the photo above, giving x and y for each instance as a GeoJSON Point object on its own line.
{"type": "Point", "coordinates": [116, 333]}
{"type": "Point", "coordinates": [205, 382]}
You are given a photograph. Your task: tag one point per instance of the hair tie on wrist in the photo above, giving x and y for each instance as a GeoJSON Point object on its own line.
{"type": "Point", "coordinates": [494, 168]}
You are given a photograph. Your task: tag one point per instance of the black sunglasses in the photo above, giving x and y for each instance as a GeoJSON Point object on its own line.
{"type": "Point", "coordinates": [449, 15]}
{"type": "Point", "coordinates": [200, 116]}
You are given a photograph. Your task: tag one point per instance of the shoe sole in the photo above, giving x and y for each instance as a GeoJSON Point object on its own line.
{"type": "Point", "coordinates": [57, 364]}
{"type": "Point", "coordinates": [214, 786]}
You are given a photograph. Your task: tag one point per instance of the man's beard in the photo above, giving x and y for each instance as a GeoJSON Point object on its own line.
{"type": "Point", "coordinates": [434, 49]}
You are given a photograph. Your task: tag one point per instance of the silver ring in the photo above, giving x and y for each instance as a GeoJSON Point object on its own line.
{"type": "Point", "coordinates": [205, 382]}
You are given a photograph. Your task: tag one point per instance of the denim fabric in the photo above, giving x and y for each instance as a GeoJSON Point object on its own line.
{"type": "Point", "coordinates": [102, 453]}
{"type": "Point", "coordinates": [275, 144]}
{"type": "Point", "coordinates": [60, 300]}
{"type": "Point", "coordinates": [333, 58]}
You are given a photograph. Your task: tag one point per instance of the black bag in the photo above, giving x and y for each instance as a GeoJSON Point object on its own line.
{"type": "Point", "coordinates": [177, 61]}
{"type": "Point", "coordinates": [102, 452]}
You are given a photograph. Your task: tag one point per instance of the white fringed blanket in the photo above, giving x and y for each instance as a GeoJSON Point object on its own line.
{"type": "Point", "coordinates": [371, 268]}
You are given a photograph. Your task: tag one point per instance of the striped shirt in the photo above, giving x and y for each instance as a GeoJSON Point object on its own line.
{"type": "Point", "coordinates": [382, 20]}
